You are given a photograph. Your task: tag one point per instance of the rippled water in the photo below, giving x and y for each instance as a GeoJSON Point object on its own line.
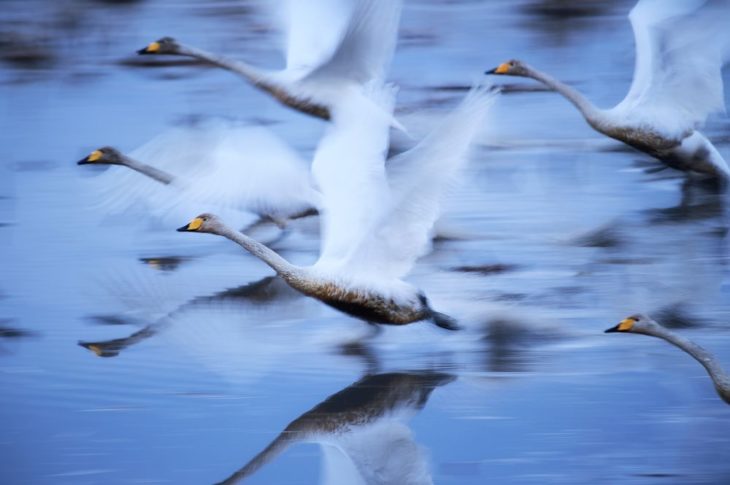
{"type": "Point", "coordinates": [130, 353]}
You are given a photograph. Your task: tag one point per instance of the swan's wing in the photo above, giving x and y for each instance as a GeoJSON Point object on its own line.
{"type": "Point", "coordinates": [216, 165]}
{"type": "Point", "coordinates": [367, 46]}
{"type": "Point", "coordinates": [383, 452]}
{"type": "Point", "coordinates": [681, 46]}
{"type": "Point", "coordinates": [249, 168]}
{"type": "Point", "coordinates": [175, 151]}
{"type": "Point", "coordinates": [312, 30]}
{"type": "Point", "coordinates": [418, 180]}
{"type": "Point", "coordinates": [349, 170]}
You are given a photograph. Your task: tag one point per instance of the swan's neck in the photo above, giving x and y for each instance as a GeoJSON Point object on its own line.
{"type": "Point", "coordinates": [593, 115]}
{"type": "Point", "coordinates": [262, 80]}
{"type": "Point", "coordinates": [150, 171]}
{"type": "Point", "coordinates": [294, 275]}
{"type": "Point", "coordinates": [718, 375]}
{"type": "Point", "coordinates": [274, 449]}
{"type": "Point", "coordinates": [252, 74]}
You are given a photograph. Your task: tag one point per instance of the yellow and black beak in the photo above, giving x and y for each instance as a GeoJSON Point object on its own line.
{"type": "Point", "coordinates": [624, 325]}
{"type": "Point", "coordinates": [501, 69]}
{"type": "Point", "coordinates": [152, 48]}
{"type": "Point", "coordinates": [93, 157]}
{"type": "Point", "coordinates": [191, 226]}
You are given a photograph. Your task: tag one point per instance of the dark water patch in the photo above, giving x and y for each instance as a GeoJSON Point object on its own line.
{"type": "Point", "coordinates": [27, 51]}
{"type": "Point", "coordinates": [609, 236]}
{"type": "Point", "coordinates": [626, 260]}
{"type": "Point", "coordinates": [677, 315]}
{"type": "Point", "coordinates": [10, 332]}
{"type": "Point", "coordinates": [164, 263]}
{"type": "Point", "coordinates": [34, 166]}
{"type": "Point", "coordinates": [161, 61]}
{"type": "Point", "coordinates": [486, 269]}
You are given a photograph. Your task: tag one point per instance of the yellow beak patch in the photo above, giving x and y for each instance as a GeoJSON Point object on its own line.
{"type": "Point", "coordinates": [502, 69]}
{"type": "Point", "coordinates": [95, 155]}
{"type": "Point", "coordinates": [195, 224]}
{"type": "Point", "coordinates": [626, 324]}
{"type": "Point", "coordinates": [153, 47]}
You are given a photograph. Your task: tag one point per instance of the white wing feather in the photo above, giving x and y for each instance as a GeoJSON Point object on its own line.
{"type": "Point", "coordinates": [349, 171]}
{"type": "Point", "coordinates": [417, 181]}
{"type": "Point", "coordinates": [216, 166]}
{"type": "Point", "coordinates": [367, 47]}
{"type": "Point", "coordinates": [681, 46]}
{"type": "Point", "coordinates": [313, 29]}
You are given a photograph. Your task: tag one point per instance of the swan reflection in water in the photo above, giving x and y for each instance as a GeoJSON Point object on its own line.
{"type": "Point", "coordinates": [363, 431]}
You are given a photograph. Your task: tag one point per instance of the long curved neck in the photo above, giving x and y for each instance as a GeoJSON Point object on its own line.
{"type": "Point", "coordinates": [269, 453]}
{"type": "Point", "coordinates": [718, 375]}
{"type": "Point", "coordinates": [152, 172]}
{"type": "Point", "coordinates": [589, 111]}
{"type": "Point", "coordinates": [262, 80]}
{"type": "Point", "coordinates": [292, 274]}
{"type": "Point", "coordinates": [254, 75]}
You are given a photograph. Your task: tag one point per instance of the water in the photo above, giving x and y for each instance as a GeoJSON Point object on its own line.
{"type": "Point", "coordinates": [206, 358]}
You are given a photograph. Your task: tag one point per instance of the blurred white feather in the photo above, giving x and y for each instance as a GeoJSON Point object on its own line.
{"type": "Point", "coordinates": [377, 221]}
{"type": "Point", "coordinates": [217, 166]}
{"type": "Point", "coordinates": [681, 46]}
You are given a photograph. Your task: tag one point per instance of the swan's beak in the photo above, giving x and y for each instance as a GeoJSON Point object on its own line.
{"type": "Point", "coordinates": [99, 350]}
{"type": "Point", "coordinates": [624, 325]}
{"type": "Point", "coordinates": [191, 226]}
{"type": "Point", "coordinates": [153, 48]}
{"type": "Point", "coordinates": [501, 69]}
{"type": "Point", "coordinates": [93, 157]}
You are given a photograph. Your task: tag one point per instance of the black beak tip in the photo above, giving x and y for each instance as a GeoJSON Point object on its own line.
{"type": "Point", "coordinates": [143, 51]}
{"type": "Point", "coordinates": [491, 71]}
{"type": "Point", "coordinates": [611, 330]}
{"type": "Point", "coordinates": [83, 161]}
{"type": "Point", "coordinates": [183, 228]}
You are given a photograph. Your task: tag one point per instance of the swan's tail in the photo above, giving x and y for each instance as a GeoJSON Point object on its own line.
{"type": "Point", "coordinates": [444, 321]}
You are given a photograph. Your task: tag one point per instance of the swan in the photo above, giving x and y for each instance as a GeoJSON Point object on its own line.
{"type": "Point", "coordinates": [680, 50]}
{"type": "Point", "coordinates": [238, 167]}
{"type": "Point", "coordinates": [645, 325]}
{"type": "Point", "coordinates": [332, 49]}
{"type": "Point", "coordinates": [362, 431]}
{"type": "Point", "coordinates": [374, 223]}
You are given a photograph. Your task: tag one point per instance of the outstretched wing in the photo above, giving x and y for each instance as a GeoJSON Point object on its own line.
{"type": "Point", "coordinates": [681, 46]}
{"type": "Point", "coordinates": [312, 30]}
{"type": "Point", "coordinates": [349, 170]}
{"type": "Point", "coordinates": [215, 165]}
{"type": "Point", "coordinates": [367, 47]}
{"type": "Point", "coordinates": [417, 181]}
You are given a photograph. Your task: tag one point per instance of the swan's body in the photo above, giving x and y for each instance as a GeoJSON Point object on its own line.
{"type": "Point", "coordinates": [375, 224]}
{"type": "Point", "coordinates": [362, 431]}
{"type": "Point", "coordinates": [242, 167]}
{"type": "Point", "coordinates": [646, 326]}
{"type": "Point", "coordinates": [333, 49]}
{"type": "Point", "coordinates": [680, 51]}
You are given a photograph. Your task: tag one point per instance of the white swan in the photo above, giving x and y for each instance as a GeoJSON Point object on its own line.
{"type": "Point", "coordinates": [332, 48]}
{"type": "Point", "coordinates": [681, 47]}
{"type": "Point", "coordinates": [375, 224]}
{"type": "Point", "coordinates": [226, 166]}
{"type": "Point", "coordinates": [645, 325]}
{"type": "Point", "coordinates": [362, 431]}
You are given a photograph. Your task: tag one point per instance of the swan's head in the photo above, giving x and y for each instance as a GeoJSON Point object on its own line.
{"type": "Point", "coordinates": [103, 156]}
{"type": "Point", "coordinates": [203, 223]}
{"type": "Point", "coordinates": [510, 68]}
{"type": "Point", "coordinates": [635, 324]}
{"type": "Point", "coordinates": [166, 45]}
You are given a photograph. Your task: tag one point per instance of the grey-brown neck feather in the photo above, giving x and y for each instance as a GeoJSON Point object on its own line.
{"type": "Point", "coordinates": [717, 373]}
{"type": "Point", "coordinates": [291, 273]}
{"type": "Point", "coordinates": [260, 79]}
{"type": "Point", "coordinates": [592, 114]}
{"type": "Point", "coordinates": [150, 171]}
